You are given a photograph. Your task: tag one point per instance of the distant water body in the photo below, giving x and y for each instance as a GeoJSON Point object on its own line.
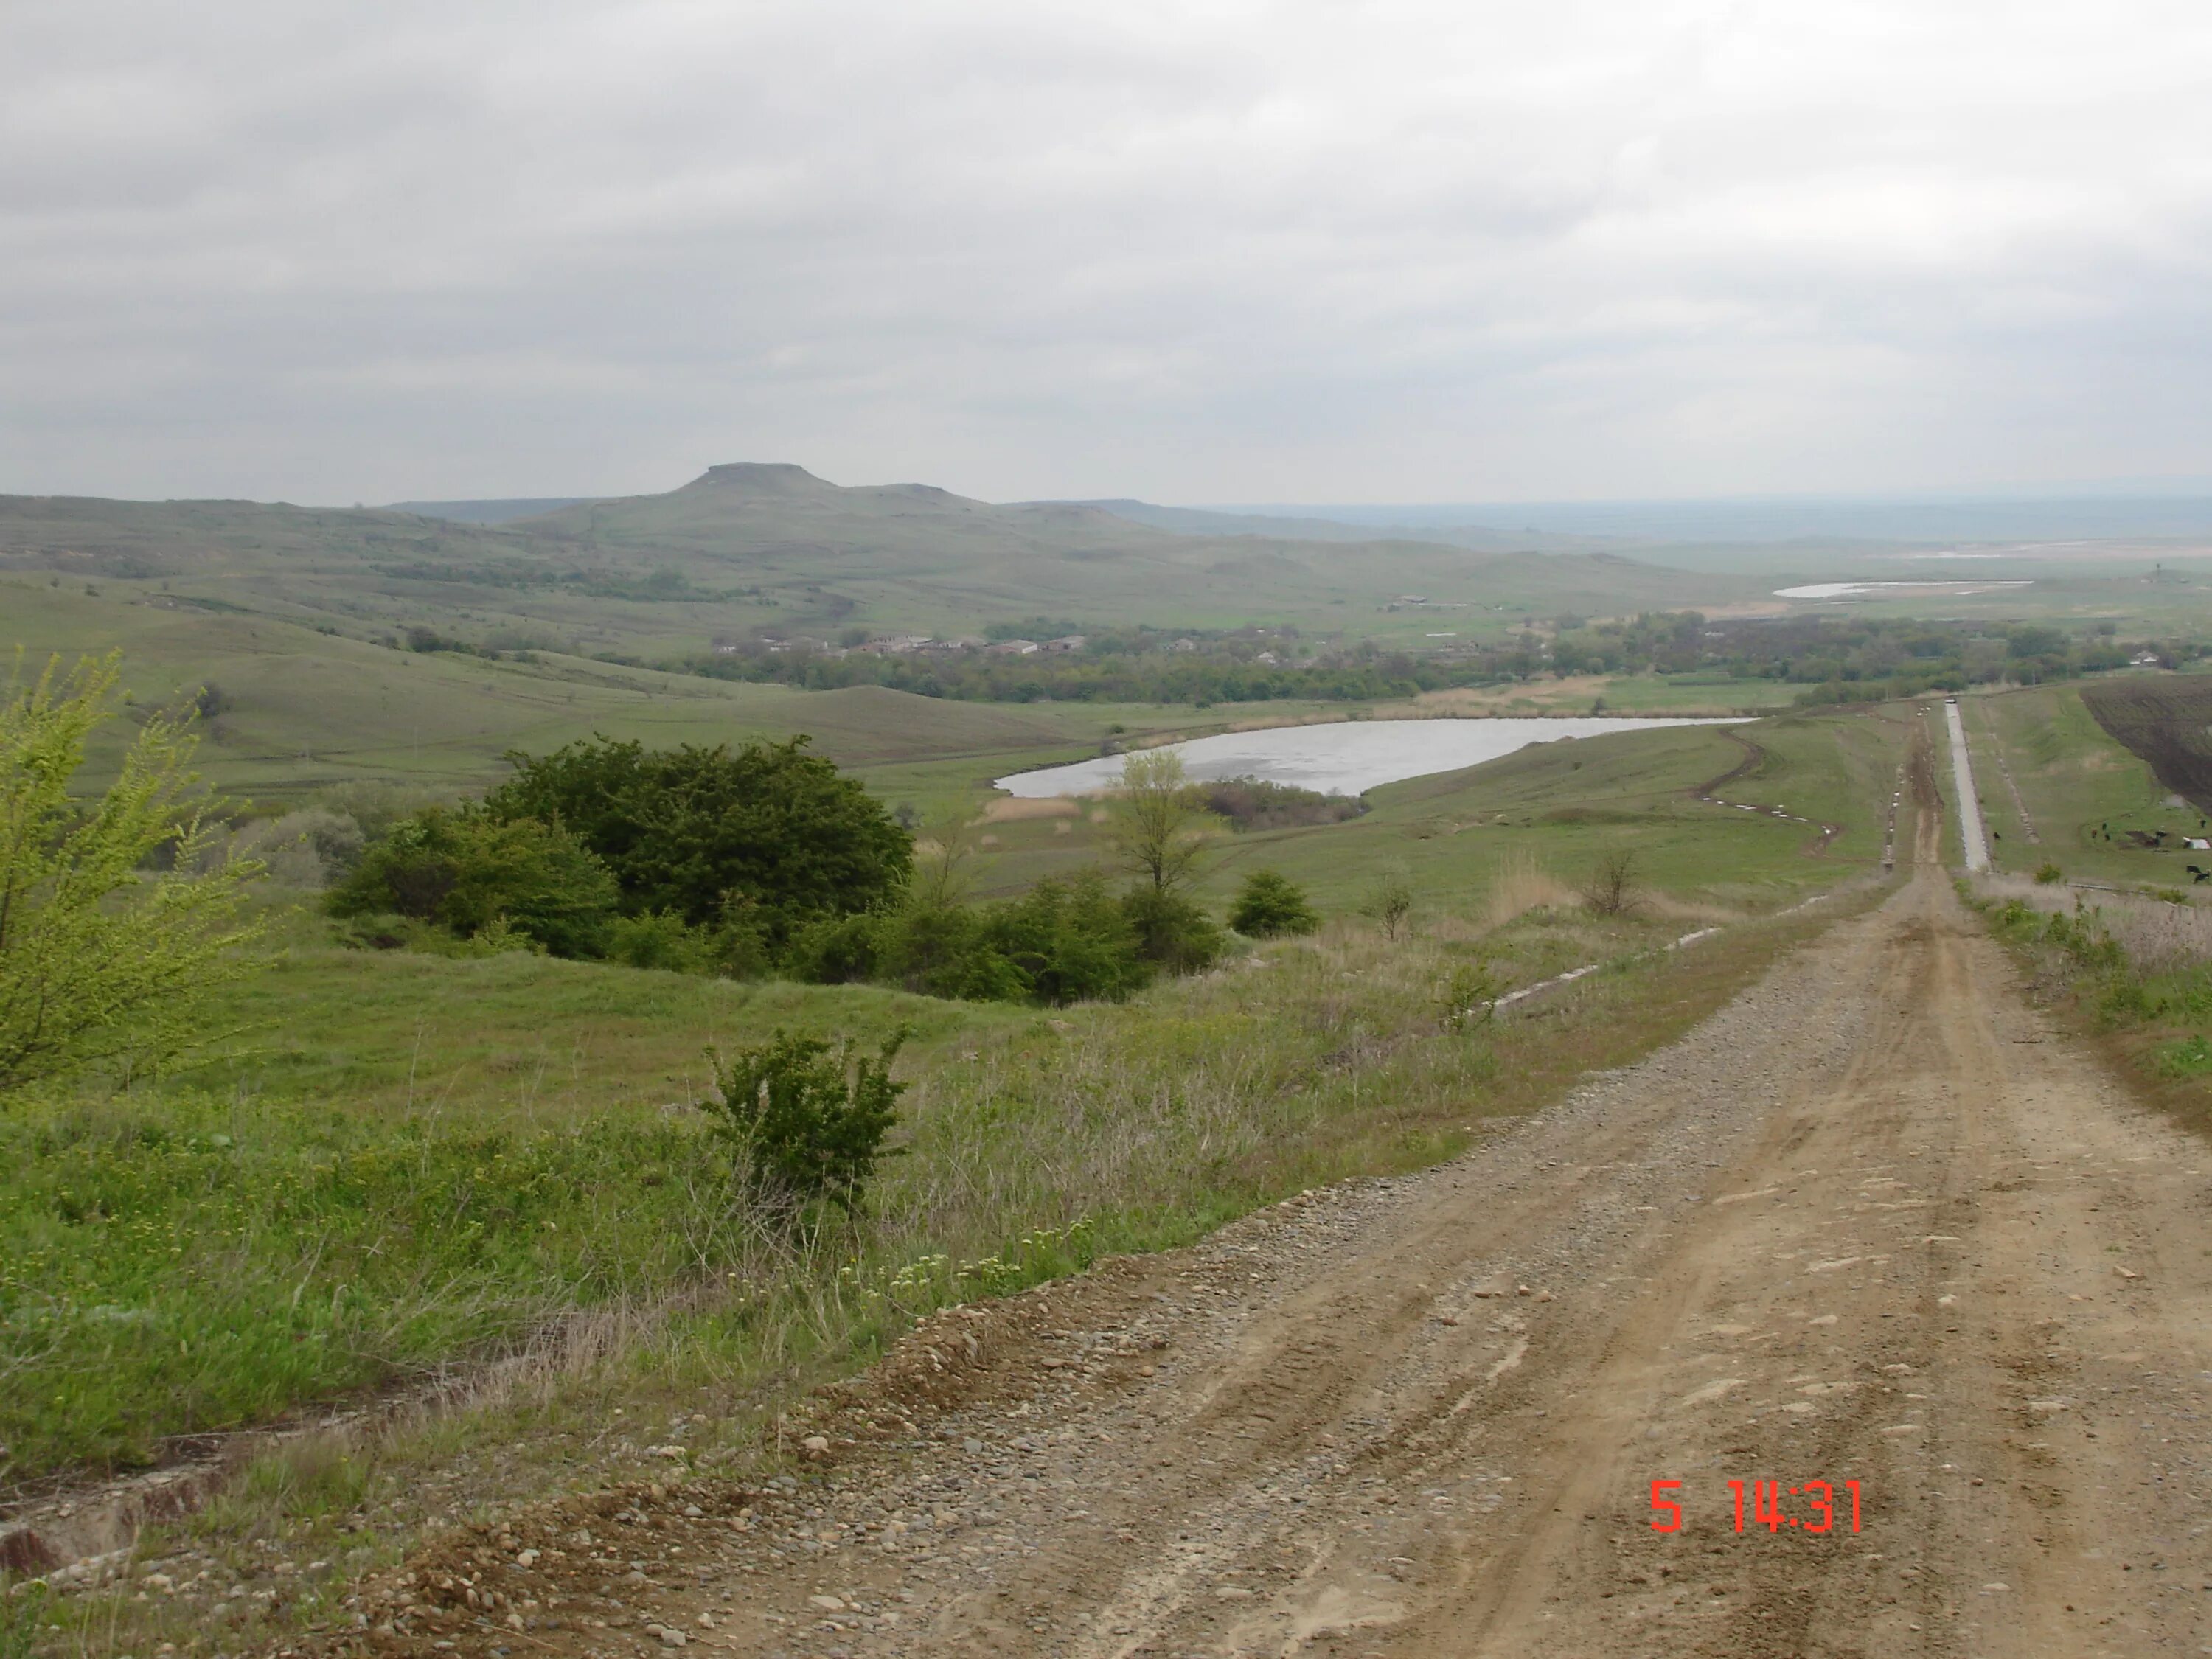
{"type": "Point", "coordinates": [1344, 758]}
{"type": "Point", "coordinates": [1917, 590]}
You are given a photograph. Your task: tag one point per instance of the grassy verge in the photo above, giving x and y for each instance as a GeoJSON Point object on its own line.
{"type": "Point", "coordinates": [2131, 975]}
{"type": "Point", "coordinates": [1031, 1153]}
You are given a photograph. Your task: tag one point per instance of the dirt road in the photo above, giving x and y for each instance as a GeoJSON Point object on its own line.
{"type": "Point", "coordinates": [1874, 1223]}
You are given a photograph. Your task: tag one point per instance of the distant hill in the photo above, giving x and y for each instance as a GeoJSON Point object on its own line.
{"type": "Point", "coordinates": [490, 511]}
{"type": "Point", "coordinates": [771, 549]}
{"type": "Point", "coordinates": [914, 548]}
{"type": "Point", "coordinates": [1295, 526]}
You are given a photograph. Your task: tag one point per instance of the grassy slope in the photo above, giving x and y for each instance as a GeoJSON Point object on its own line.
{"type": "Point", "coordinates": [2072, 777]}
{"type": "Point", "coordinates": [310, 709]}
{"type": "Point", "coordinates": [774, 547]}
{"type": "Point", "coordinates": [1558, 806]}
{"type": "Point", "coordinates": [372, 1105]}
{"type": "Point", "coordinates": [1103, 1129]}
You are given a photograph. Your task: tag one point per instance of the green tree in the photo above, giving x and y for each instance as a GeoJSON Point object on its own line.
{"type": "Point", "coordinates": [806, 1121]}
{"type": "Point", "coordinates": [100, 959]}
{"type": "Point", "coordinates": [1270, 903]}
{"type": "Point", "coordinates": [464, 870]}
{"type": "Point", "coordinates": [692, 829]}
{"type": "Point", "coordinates": [1159, 823]}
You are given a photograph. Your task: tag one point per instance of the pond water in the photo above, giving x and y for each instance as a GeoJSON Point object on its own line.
{"type": "Point", "coordinates": [1957, 590]}
{"type": "Point", "coordinates": [1344, 758]}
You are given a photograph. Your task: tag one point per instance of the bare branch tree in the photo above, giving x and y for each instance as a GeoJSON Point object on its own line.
{"type": "Point", "coordinates": [1611, 889]}
{"type": "Point", "coordinates": [1390, 900]}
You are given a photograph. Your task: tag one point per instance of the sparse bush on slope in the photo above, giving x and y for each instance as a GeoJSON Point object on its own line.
{"type": "Point", "coordinates": [100, 959]}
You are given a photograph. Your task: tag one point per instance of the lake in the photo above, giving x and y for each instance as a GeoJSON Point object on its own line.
{"type": "Point", "coordinates": [1343, 757]}
{"type": "Point", "coordinates": [1951, 590]}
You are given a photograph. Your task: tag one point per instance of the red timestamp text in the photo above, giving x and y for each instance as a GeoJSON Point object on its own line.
{"type": "Point", "coordinates": [1815, 1506]}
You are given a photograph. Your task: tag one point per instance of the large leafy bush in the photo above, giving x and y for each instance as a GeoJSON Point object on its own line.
{"type": "Point", "coordinates": [691, 830]}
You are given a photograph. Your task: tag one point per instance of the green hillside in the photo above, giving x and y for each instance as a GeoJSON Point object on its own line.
{"type": "Point", "coordinates": [751, 549]}
{"type": "Point", "coordinates": [295, 709]}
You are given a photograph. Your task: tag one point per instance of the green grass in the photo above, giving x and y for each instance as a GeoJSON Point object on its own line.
{"type": "Point", "coordinates": [185, 1258]}
{"type": "Point", "coordinates": [520, 1039]}
{"type": "Point", "coordinates": [401, 1159]}
{"type": "Point", "coordinates": [2073, 777]}
{"type": "Point", "coordinates": [1560, 806]}
{"type": "Point", "coordinates": [757, 550]}
{"type": "Point", "coordinates": [308, 710]}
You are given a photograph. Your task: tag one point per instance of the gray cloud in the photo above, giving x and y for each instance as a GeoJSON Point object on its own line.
{"type": "Point", "coordinates": [1192, 249]}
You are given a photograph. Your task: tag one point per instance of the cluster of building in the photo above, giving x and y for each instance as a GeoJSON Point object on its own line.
{"type": "Point", "coordinates": [903, 645]}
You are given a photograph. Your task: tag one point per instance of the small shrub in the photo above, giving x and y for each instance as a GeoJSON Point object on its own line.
{"type": "Point", "coordinates": [1270, 904]}
{"type": "Point", "coordinates": [807, 1122]}
{"type": "Point", "coordinates": [1172, 932]}
{"type": "Point", "coordinates": [1390, 899]}
{"type": "Point", "coordinates": [662, 939]}
{"type": "Point", "coordinates": [1070, 940]}
{"type": "Point", "coordinates": [2126, 1001]}
{"type": "Point", "coordinates": [1251, 804]}
{"type": "Point", "coordinates": [2047, 873]}
{"type": "Point", "coordinates": [461, 870]}
{"type": "Point", "coordinates": [835, 950]}
{"type": "Point", "coordinates": [1611, 888]}
{"type": "Point", "coordinates": [22, 1611]}
{"type": "Point", "coordinates": [1468, 996]}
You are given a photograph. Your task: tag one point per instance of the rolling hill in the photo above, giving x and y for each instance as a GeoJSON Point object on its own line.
{"type": "Point", "coordinates": [761, 548]}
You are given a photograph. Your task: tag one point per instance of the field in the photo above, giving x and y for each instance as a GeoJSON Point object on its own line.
{"type": "Point", "coordinates": [2164, 721]}
{"type": "Point", "coordinates": [2082, 790]}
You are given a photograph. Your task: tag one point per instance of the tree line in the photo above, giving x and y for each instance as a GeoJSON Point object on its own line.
{"type": "Point", "coordinates": [1154, 665]}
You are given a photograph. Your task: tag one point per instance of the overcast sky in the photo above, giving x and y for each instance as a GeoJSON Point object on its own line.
{"type": "Point", "coordinates": [1192, 250]}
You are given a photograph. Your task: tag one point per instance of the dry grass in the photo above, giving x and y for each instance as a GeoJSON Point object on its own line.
{"type": "Point", "coordinates": [1522, 884]}
{"type": "Point", "coordinates": [2157, 936]}
{"type": "Point", "coordinates": [1013, 809]}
